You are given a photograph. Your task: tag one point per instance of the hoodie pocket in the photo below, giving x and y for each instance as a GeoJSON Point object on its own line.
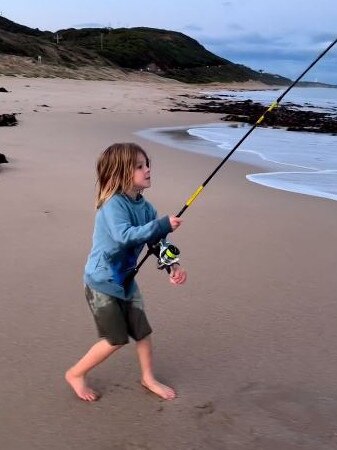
{"type": "Point", "coordinates": [102, 270]}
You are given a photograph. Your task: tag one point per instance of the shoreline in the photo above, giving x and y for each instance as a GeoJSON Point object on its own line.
{"type": "Point", "coordinates": [263, 171]}
{"type": "Point", "coordinates": [249, 343]}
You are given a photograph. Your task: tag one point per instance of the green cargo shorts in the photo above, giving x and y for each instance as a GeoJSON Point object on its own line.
{"type": "Point", "coordinates": [118, 319]}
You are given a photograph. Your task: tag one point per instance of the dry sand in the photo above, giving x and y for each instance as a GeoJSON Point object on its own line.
{"type": "Point", "coordinates": [249, 342]}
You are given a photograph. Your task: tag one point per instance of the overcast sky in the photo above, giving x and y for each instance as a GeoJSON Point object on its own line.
{"type": "Point", "coordinates": [281, 37]}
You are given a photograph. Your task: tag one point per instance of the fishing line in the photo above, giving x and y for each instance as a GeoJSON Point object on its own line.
{"type": "Point", "coordinates": [197, 192]}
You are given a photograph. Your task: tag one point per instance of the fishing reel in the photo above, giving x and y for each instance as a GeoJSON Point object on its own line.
{"type": "Point", "coordinates": [168, 254]}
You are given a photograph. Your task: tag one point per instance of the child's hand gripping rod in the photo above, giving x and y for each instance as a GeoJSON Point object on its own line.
{"type": "Point", "coordinates": [274, 104]}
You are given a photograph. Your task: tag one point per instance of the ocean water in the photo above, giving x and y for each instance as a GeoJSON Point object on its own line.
{"type": "Point", "coordinates": [298, 162]}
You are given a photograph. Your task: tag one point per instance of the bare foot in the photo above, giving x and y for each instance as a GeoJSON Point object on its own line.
{"type": "Point", "coordinates": [80, 387]}
{"type": "Point", "coordinates": [159, 389]}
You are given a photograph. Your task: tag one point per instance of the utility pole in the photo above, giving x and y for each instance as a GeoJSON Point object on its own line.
{"type": "Point", "coordinates": [101, 41]}
{"type": "Point", "coordinates": [57, 38]}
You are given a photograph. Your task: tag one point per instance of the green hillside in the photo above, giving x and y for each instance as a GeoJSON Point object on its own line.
{"type": "Point", "coordinates": [165, 53]}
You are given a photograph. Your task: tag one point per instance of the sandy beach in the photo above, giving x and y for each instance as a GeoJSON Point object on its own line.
{"type": "Point", "coordinates": [249, 342]}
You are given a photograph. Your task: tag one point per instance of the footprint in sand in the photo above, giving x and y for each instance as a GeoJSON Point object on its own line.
{"type": "Point", "coordinates": [204, 409]}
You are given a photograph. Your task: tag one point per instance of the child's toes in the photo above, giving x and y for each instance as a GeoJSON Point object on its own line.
{"type": "Point", "coordinates": [90, 396]}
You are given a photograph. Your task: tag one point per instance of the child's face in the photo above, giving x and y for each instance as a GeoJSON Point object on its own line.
{"type": "Point", "coordinates": [141, 176]}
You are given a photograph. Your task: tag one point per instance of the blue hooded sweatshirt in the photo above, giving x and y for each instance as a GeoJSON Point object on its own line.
{"type": "Point", "coordinates": [122, 227]}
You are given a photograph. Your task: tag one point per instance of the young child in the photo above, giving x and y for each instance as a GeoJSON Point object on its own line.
{"type": "Point", "coordinates": [124, 223]}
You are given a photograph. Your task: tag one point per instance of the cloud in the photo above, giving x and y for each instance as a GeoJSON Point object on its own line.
{"type": "Point", "coordinates": [323, 37]}
{"type": "Point", "coordinates": [256, 45]}
{"type": "Point", "coordinates": [90, 25]}
{"type": "Point", "coordinates": [235, 26]}
{"type": "Point", "coordinates": [192, 27]}
{"type": "Point", "coordinates": [245, 40]}
{"type": "Point", "coordinates": [282, 55]}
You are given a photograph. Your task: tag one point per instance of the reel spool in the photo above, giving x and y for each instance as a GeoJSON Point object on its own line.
{"type": "Point", "coordinates": [168, 255]}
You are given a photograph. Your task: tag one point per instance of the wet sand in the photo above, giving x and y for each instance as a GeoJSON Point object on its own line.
{"type": "Point", "coordinates": [249, 342]}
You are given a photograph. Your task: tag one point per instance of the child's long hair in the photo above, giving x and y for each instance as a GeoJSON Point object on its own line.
{"type": "Point", "coordinates": [115, 169]}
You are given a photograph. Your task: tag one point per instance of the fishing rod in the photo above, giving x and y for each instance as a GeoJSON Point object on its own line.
{"type": "Point", "coordinates": [168, 254]}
